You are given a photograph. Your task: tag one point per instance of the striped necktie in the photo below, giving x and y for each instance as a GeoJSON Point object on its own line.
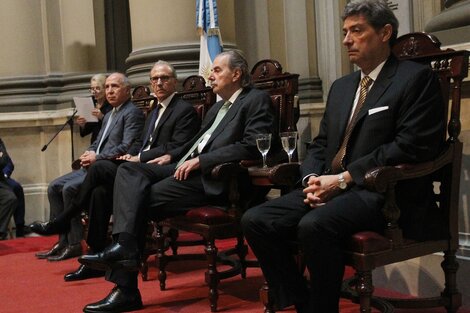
{"type": "Point", "coordinates": [337, 163]}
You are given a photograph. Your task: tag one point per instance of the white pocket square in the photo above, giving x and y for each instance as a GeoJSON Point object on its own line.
{"type": "Point", "coordinates": [376, 110]}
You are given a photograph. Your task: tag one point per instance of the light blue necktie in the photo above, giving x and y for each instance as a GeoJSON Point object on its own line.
{"type": "Point", "coordinates": [220, 115]}
{"type": "Point", "coordinates": [106, 130]}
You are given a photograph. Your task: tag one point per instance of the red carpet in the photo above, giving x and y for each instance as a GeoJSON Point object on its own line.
{"type": "Point", "coordinates": [37, 286]}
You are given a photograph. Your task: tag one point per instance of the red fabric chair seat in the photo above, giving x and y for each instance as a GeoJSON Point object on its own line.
{"type": "Point", "coordinates": [368, 241]}
{"type": "Point", "coordinates": [209, 215]}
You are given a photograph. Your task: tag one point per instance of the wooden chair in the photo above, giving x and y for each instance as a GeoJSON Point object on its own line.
{"type": "Point", "coordinates": [369, 250]}
{"type": "Point", "coordinates": [214, 223]}
{"type": "Point", "coordinates": [202, 98]}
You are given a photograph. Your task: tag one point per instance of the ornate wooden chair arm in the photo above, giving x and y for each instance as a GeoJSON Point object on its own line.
{"type": "Point", "coordinates": [381, 178]}
{"type": "Point", "coordinates": [226, 170]}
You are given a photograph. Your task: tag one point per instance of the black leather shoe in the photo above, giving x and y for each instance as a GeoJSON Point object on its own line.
{"type": "Point", "coordinates": [116, 301]}
{"type": "Point", "coordinates": [69, 252]}
{"type": "Point", "coordinates": [56, 249]}
{"type": "Point", "coordinates": [82, 273]}
{"type": "Point", "coordinates": [114, 256]}
{"type": "Point", "coordinates": [47, 228]}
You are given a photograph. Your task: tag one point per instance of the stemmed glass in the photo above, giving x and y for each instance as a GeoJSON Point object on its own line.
{"type": "Point", "coordinates": [289, 143]}
{"type": "Point", "coordinates": [263, 142]}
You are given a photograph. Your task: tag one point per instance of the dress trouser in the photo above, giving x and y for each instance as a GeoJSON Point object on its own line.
{"type": "Point", "coordinates": [8, 203]}
{"type": "Point", "coordinates": [270, 229]}
{"type": "Point", "coordinates": [61, 192]}
{"type": "Point", "coordinates": [19, 213]}
{"type": "Point", "coordinates": [154, 197]}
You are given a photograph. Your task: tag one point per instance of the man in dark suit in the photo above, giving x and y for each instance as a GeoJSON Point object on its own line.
{"type": "Point", "coordinates": [171, 123]}
{"type": "Point", "coordinates": [19, 212]}
{"type": "Point", "coordinates": [8, 200]}
{"type": "Point", "coordinates": [400, 121]}
{"type": "Point", "coordinates": [227, 134]}
{"type": "Point", "coordinates": [121, 128]}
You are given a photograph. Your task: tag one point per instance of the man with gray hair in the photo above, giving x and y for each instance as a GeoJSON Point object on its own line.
{"type": "Point", "coordinates": [228, 134]}
{"type": "Point", "coordinates": [390, 112]}
{"type": "Point", "coordinates": [122, 126]}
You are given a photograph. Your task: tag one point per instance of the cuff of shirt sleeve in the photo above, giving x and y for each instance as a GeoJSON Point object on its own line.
{"type": "Point", "coordinates": [306, 177]}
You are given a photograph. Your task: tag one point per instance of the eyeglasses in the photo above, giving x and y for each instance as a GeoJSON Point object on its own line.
{"type": "Point", "coordinates": [164, 78]}
{"type": "Point", "coordinates": [93, 89]}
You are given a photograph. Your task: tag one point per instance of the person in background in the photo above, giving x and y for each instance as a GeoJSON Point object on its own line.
{"type": "Point", "coordinates": [19, 213]}
{"type": "Point", "coordinates": [122, 127]}
{"type": "Point", "coordinates": [101, 108]}
{"type": "Point", "coordinates": [8, 201]}
{"type": "Point", "coordinates": [389, 112]}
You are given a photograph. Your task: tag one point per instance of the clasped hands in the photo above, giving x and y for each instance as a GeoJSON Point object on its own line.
{"type": "Point", "coordinates": [321, 189]}
{"type": "Point", "coordinates": [87, 158]}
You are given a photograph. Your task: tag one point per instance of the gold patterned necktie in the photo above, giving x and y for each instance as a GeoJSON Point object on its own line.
{"type": "Point", "coordinates": [223, 109]}
{"type": "Point", "coordinates": [337, 163]}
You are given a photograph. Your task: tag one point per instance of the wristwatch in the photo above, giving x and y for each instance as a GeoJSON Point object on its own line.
{"type": "Point", "coordinates": [341, 182]}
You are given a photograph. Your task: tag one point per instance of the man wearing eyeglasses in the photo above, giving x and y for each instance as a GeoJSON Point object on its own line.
{"type": "Point", "coordinates": [227, 134]}
{"type": "Point", "coordinates": [121, 128]}
{"type": "Point", "coordinates": [170, 124]}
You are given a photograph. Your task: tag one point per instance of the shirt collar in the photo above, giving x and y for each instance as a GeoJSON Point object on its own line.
{"type": "Point", "coordinates": [235, 95]}
{"type": "Point", "coordinates": [375, 72]}
{"type": "Point", "coordinates": [166, 102]}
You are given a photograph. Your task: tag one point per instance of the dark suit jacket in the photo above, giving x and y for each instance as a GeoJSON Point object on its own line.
{"type": "Point", "coordinates": [402, 121]}
{"type": "Point", "coordinates": [126, 127]}
{"type": "Point", "coordinates": [5, 162]}
{"type": "Point", "coordinates": [177, 125]}
{"type": "Point", "coordinates": [234, 138]}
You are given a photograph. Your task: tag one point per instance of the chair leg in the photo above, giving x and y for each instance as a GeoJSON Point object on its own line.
{"type": "Point", "coordinates": [161, 257]}
{"type": "Point", "coordinates": [364, 289]}
{"type": "Point", "coordinates": [212, 275]}
{"type": "Point", "coordinates": [452, 297]}
{"type": "Point", "coordinates": [173, 234]}
{"type": "Point", "coordinates": [242, 252]}
{"type": "Point", "coordinates": [144, 268]}
{"type": "Point", "coordinates": [264, 296]}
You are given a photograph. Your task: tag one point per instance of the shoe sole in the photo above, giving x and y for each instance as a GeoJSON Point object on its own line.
{"type": "Point", "coordinates": [121, 309]}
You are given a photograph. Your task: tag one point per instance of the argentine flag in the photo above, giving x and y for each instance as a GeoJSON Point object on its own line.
{"type": "Point", "coordinates": [208, 27]}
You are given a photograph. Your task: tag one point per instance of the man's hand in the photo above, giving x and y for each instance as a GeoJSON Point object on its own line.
{"type": "Point", "coordinates": [183, 171]}
{"type": "Point", "coordinates": [87, 158]}
{"type": "Point", "coordinates": [321, 189]}
{"type": "Point", "coordinates": [129, 158]}
{"type": "Point", "coordinates": [162, 160]}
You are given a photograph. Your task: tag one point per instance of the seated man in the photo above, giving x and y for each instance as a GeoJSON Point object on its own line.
{"type": "Point", "coordinates": [8, 201]}
{"type": "Point", "coordinates": [389, 112]}
{"type": "Point", "coordinates": [171, 123]}
{"type": "Point", "coordinates": [227, 135]}
{"type": "Point", "coordinates": [122, 127]}
{"type": "Point", "coordinates": [19, 212]}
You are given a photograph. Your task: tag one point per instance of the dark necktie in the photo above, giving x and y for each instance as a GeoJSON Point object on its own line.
{"type": "Point", "coordinates": [337, 163]}
{"type": "Point", "coordinates": [153, 118]}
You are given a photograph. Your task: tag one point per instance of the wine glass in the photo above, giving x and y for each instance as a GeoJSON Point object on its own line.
{"type": "Point", "coordinates": [289, 143]}
{"type": "Point", "coordinates": [263, 142]}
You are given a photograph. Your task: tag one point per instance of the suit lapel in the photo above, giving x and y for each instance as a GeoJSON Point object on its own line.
{"type": "Point", "coordinates": [349, 93]}
{"type": "Point", "coordinates": [166, 114]}
{"type": "Point", "coordinates": [380, 86]}
{"type": "Point", "coordinates": [231, 113]}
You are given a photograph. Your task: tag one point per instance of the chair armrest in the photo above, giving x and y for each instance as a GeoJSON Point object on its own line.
{"type": "Point", "coordinates": [224, 171]}
{"type": "Point", "coordinates": [284, 175]}
{"type": "Point", "coordinates": [380, 178]}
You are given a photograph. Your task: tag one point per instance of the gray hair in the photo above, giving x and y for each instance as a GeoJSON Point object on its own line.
{"type": "Point", "coordinates": [237, 60]}
{"type": "Point", "coordinates": [172, 68]}
{"type": "Point", "coordinates": [376, 12]}
{"type": "Point", "coordinates": [100, 79]}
